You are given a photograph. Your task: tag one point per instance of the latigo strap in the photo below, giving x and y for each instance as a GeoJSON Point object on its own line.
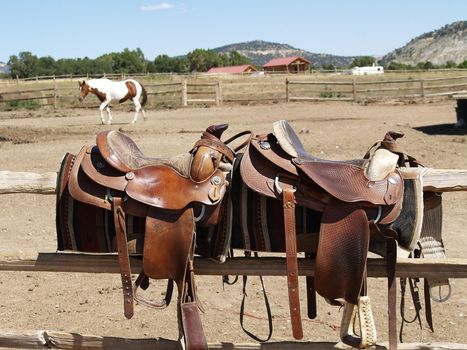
{"type": "Point", "coordinates": [292, 263]}
{"type": "Point", "coordinates": [123, 257]}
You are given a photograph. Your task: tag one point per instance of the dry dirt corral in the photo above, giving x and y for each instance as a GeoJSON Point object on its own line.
{"type": "Point", "coordinates": [92, 303]}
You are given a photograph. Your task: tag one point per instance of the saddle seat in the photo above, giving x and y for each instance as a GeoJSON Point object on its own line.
{"type": "Point", "coordinates": [122, 153]}
{"type": "Point", "coordinates": [378, 183]}
{"type": "Point", "coordinates": [377, 167]}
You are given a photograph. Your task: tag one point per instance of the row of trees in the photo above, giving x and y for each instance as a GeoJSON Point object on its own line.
{"type": "Point", "coordinates": [27, 65]}
{"type": "Point", "coordinates": [364, 61]}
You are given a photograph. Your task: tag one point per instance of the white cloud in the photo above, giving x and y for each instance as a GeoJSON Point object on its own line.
{"type": "Point", "coordinates": [157, 7]}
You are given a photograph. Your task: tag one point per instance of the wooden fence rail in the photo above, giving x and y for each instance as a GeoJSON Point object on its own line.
{"type": "Point", "coordinates": [187, 92]}
{"type": "Point", "coordinates": [47, 339]}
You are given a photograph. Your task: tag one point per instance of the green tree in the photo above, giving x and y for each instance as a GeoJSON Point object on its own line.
{"type": "Point", "coordinates": [462, 65]}
{"type": "Point", "coordinates": [129, 61]}
{"type": "Point", "coordinates": [363, 61]}
{"type": "Point", "coordinates": [201, 60]}
{"type": "Point", "coordinates": [328, 66]}
{"type": "Point", "coordinates": [235, 58]}
{"type": "Point", "coordinates": [450, 64]}
{"type": "Point", "coordinates": [425, 65]}
{"type": "Point", "coordinates": [46, 66]}
{"type": "Point", "coordinates": [166, 64]}
{"type": "Point", "coordinates": [25, 65]}
{"type": "Point", "coordinates": [398, 66]}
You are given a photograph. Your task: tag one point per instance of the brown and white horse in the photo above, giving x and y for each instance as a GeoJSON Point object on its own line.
{"type": "Point", "coordinates": [107, 90]}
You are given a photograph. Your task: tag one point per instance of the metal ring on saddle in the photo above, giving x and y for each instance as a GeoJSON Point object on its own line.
{"type": "Point", "coordinates": [278, 187]}
{"type": "Point", "coordinates": [201, 215]}
{"type": "Point", "coordinates": [378, 216]}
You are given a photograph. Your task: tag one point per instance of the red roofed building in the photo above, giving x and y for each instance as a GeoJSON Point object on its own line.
{"type": "Point", "coordinates": [287, 64]}
{"type": "Point", "coordinates": [245, 68]}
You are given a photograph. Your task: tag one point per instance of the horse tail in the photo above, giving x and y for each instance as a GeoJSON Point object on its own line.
{"type": "Point", "coordinates": [145, 96]}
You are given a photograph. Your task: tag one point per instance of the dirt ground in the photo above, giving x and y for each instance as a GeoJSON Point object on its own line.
{"type": "Point", "coordinates": [92, 303]}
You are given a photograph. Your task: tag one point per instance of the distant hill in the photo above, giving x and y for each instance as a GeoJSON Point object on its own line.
{"type": "Point", "coordinates": [448, 43]}
{"type": "Point", "coordinates": [260, 52]}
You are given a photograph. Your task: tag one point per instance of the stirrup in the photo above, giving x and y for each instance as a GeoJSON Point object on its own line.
{"type": "Point", "coordinates": [143, 281]}
{"type": "Point", "coordinates": [368, 335]}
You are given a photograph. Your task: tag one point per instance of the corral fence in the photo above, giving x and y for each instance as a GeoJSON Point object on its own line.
{"type": "Point", "coordinates": [174, 91]}
{"type": "Point", "coordinates": [356, 90]}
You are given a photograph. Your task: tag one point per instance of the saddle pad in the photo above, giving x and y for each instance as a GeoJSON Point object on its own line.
{"type": "Point", "coordinates": [91, 229]}
{"type": "Point", "coordinates": [258, 223]}
{"type": "Point", "coordinates": [88, 228]}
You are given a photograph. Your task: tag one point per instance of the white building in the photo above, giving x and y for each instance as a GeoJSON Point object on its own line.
{"type": "Point", "coordinates": [367, 70]}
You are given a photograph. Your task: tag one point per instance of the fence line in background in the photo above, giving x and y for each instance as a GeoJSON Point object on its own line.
{"type": "Point", "coordinates": [257, 90]}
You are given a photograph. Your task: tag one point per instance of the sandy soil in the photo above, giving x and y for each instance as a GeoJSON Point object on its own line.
{"type": "Point", "coordinates": [92, 303]}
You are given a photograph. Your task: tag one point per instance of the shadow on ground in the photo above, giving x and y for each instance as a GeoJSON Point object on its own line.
{"type": "Point", "coordinates": [442, 129]}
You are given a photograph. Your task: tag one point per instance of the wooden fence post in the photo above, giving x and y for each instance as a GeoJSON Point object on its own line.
{"type": "Point", "coordinates": [287, 98]}
{"type": "Point", "coordinates": [55, 93]}
{"type": "Point", "coordinates": [184, 93]}
{"type": "Point", "coordinates": [422, 88]}
{"type": "Point", "coordinates": [218, 94]}
{"type": "Point", "coordinates": [354, 88]}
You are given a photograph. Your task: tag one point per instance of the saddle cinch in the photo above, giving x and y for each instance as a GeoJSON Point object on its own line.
{"type": "Point", "coordinates": [353, 199]}
{"type": "Point", "coordinates": [112, 197]}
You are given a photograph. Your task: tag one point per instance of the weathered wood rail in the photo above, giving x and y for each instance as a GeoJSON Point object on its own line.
{"type": "Point", "coordinates": [435, 180]}
{"type": "Point", "coordinates": [265, 265]}
{"type": "Point", "coordinates": [61, 340]}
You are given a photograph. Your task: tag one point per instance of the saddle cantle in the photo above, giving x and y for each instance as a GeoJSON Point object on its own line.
{"type": "Point", "coordinates": [164, 198]}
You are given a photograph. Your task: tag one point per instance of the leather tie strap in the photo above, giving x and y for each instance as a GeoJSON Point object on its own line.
{"type": "Point", "coordinates": [391, 260]}
{"type": "Point", "coordinates": [292, 263]}
{"type": "Point", "coordinates": [123, 257]}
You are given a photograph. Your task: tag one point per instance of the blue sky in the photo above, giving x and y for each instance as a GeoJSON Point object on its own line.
{"type": "Point", "coordinates": [70, 28]}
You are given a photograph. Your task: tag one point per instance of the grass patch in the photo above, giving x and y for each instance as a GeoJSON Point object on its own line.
{"type": "Point", "coordinates": [27, 104]}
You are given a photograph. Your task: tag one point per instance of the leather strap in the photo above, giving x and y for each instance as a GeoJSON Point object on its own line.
{"type": "Point", "coordinates": [123, 257]}
{"type": "Point", "coordinates": [292, 263]}
{"type": "Point", "coordinates": [218, 146]}
{"type": "Point", "coordinates": [311, 292]}
{"type": "Point", "coordinates": [391, 260]}
{"type": "Point", "coordinates": [268, 311]}
{"type": "Point", "coordinates": [428, 313]}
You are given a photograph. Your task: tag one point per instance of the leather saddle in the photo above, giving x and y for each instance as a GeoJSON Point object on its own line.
{"type": "Point", "coordinates": [169, 195]}
{"type": "Point", "coordinates": [353, 197]}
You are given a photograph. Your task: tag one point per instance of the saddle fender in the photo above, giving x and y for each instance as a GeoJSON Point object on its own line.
{"type": "Point", "coordinates": [344, 239]}
{"type": "Point", "coordinates": [167, 244]}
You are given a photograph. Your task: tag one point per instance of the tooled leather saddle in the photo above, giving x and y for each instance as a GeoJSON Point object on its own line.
{"type": "Point", "coordinates": [353, 198]}
{"type": "Point", "coordinates": [113, 188]}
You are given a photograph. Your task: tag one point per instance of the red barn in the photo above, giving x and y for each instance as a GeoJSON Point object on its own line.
{"type": "Point", "coordinates": [245, 68]}
{"type": "Point", "coordinates": [287, 64]}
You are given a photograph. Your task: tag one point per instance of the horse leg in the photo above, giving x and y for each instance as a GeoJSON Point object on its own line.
{"type": "Point", "coordinates": [109, 121]}
{"type": "Point", "coordinates": [103, 106]}
{"type": "Point", "coordinates": [137, 109]}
